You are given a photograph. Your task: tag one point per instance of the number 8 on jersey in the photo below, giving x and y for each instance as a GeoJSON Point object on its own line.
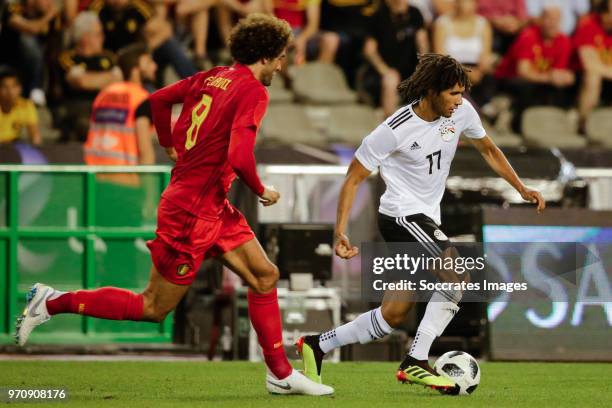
{"type": "Point", "coordinates": [198, 115]}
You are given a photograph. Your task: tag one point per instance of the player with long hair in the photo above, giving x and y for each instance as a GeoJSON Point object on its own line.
{"type": "Point", "coordinates": [414, 149]}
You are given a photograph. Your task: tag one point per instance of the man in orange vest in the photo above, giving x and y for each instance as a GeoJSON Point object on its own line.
{"type": "Point", "coordinates": [120, 134]}
{"type": "Point", "coordinates": [120, 125]}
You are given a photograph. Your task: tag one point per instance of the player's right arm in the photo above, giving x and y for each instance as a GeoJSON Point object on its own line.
{"type": "Point", "coordinates": [161, 107]}
{"type": "Point", "coordinates": [377, 146]}
{"type": "Point", "coordinates": [354, 177]}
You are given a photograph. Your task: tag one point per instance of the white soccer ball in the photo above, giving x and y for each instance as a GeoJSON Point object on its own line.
{"type": "Point", "coordinates": [461, 368]}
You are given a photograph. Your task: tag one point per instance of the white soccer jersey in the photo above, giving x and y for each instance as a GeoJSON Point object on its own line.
{"type": "Point", "coordinates": [415, 156]}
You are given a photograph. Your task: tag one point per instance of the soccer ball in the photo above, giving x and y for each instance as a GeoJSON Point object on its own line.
{"type": "Point", "coordinates": [461, 368]}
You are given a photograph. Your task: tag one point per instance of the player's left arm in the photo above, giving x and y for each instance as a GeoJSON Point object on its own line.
{"type": "Point", "coordinates": [249, 113]}
{"type": "Point", "coordinates": [496, 159]}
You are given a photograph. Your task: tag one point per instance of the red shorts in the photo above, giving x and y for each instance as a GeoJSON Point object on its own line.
{"type": "Point", "coordinates": [184, 240]}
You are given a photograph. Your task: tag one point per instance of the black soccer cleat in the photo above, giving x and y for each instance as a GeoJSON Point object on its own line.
{"type": "Point", "coordinates": [413, 371]}
{"type": "Point", "coordinates": [312, 356]}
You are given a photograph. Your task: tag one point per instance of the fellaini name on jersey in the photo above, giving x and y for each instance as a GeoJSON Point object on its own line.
{"type": "Point", "coordinates": [218, 82]}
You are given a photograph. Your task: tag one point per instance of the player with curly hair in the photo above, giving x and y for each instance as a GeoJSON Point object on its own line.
{"type": "Point", "coordinates": [211, 143]}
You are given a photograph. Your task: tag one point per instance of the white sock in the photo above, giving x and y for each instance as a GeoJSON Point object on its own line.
{"type": "Point", "coordinates": [440, 311]}
{"type": "Point", "coordinates": [421, 344]}
{"type": "Point", "coordinates": [365, 328]}
{"type": "Point", "coordinates": [56, 293]}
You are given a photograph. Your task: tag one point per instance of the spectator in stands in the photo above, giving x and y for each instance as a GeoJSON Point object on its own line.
{"type": "Point", "coordinates": [536, 68]}
{"type": "Point", "coordinates": [397, 35]}
{"type": "Point", "coordinates": [196, 14]}
{"type": "Point", "coordinates": [85, 70]}
{"type": "Point", "coordinates": [571, 11]}
{"type": "Point", "coordinates": [593, 42]}
{"type": "Point", "coordinates": [344, 25]}
{"type": "Point", "coordinates": [304, 18]}
{"type": "Point", "coordinates": [508, 18]}
{"type": "Point", "coordinates": [121, 134]}
{"type": "Point", "coordinates": [26, 26]}
{"type": "Point", "coordinates": [467, 37]}
{"type": "Point", "coordinates": [129, 21]}
{"type": "Point", "coordinates": [16, 113]}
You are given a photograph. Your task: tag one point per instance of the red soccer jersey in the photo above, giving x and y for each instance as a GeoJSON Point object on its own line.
{"type": "Point", "coordinates": [544, 55]}
{"type": "Point", "coordinates": [214, 135]}
{"type": "Point", "coordinates": [590, 33]}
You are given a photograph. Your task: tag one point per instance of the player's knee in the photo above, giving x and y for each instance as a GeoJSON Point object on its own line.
{"type": "Point", "coordinates": [155, 314]}
{"type": "Point", "coordinates": [393, 317]}
{"type": "Point", "coordinates": [451, 275]}
{"type": "Point", "coordinates": [151, 311]}
{"type": "Point", "coordinates": [267, 278]}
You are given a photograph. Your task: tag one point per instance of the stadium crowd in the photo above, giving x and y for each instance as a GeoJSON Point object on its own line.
{"type": "Point", "coordinates": [59, 54]}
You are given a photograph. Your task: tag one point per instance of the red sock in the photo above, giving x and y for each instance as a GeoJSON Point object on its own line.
{"type": "Point", "coordinates": [266, 319]}
{"type": "Point", "coordinates": [105, 303]}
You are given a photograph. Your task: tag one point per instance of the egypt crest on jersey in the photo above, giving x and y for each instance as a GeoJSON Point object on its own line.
{"type": "Point", "coordinates": [447, 130]}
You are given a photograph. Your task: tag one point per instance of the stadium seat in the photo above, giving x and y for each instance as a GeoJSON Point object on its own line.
{"type": "Point", "coordinates": [278, 93]}
{"type": "Point", "coordinates": [502, 137]}
{"type": "Point", "coordinates": [508, 140]}
{"type": "Point", "coordinates": [546, 126]}
{"type": "Point", "coordinates": [351, 123]}
{"type": "Point", "coordinates": [290, 124]}
{"type": "Point", "coordinates": [599, 127]}
{"type": "Point", "coordinates": [319, 83]}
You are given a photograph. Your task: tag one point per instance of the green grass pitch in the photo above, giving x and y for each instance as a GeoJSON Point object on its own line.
{"type": "Point", "coordinates": [241, 384]}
